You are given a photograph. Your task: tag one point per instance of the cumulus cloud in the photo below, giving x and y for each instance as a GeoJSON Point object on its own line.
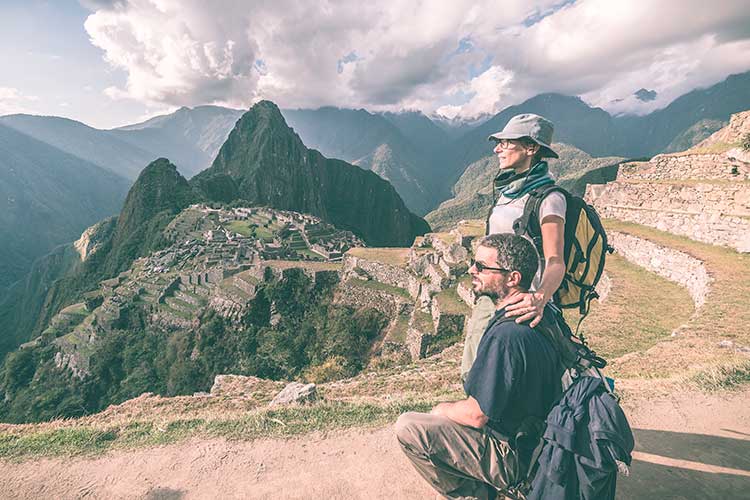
{"type": "Point", "coordinates": [459, 59]}
{"type": "Point", "coordinates": [176, 52]}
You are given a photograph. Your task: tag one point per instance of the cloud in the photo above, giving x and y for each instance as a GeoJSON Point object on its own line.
{"type": "Point", "coordinates": [485, 94]}
{"type": "Point", "coordinates": [177, 52]}
{"type": "Point", "coordinates": [9, 94]}
{"type": "Point", "coordinates": [14, 101]}
{"type": "Point", "coordinates": [462, 58]}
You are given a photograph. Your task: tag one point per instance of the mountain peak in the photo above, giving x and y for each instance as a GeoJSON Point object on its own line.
{"type": "Point", "coordinates": [159, 187]}
{"type": "Point", "coordinates": [261, 116]}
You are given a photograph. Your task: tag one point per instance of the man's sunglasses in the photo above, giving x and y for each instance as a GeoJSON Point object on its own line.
{"type": "Point", "coordinates": [481, 267]}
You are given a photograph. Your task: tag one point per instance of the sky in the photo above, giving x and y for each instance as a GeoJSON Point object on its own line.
{"type": "Point", "coordinates": [109, 63]}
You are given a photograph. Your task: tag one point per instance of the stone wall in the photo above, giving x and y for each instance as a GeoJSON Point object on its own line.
{"type": "Point", "coordinates": [228, 305]}
{"type": "Point", "coordinates": [466, 293]}
{"type": "Point", "coordinates": [666, 262]}
{"type": "Point", "coordinates": [718, 214]}
{"type": "Point", "coordinates": [384, 273]}
{"type": "Point", "coordinates": [360, 297]}
{"type": "Point", "coordinates": [726, 199]}
{"type": "Point", "coordinates": [686, 166]}
{"type": "Point", "coordinates": [739, 125]}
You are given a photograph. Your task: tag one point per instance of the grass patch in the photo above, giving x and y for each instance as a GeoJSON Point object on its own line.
{"type": "Point", "coordinates": [398, 331]}
{"type": "Point", "coordinates": [390, 256]}
{"type": "Point", "coordinates": [75, 310]}
{"type": "Point", "coordinates": [450, 303]}
{"type": "Point", "coordinates": [56, 442]}
{"type": "Point", "coordinates": [240, 227]}
{"type": "Point", "coordinates": [722, 377]}
{"type": "Point", "coordinates": [474, 228]}
{"type": "Point", "coordinates": [270, 422]}
{"type": "Point", "coordinates": [715, 148]}
{"type": "Point", "coordinates": [724, 316]}
{"type": "Point", "coordinates": [303, 264]}
{"type": "Point", "coordinates": [310, 254]}
{"type": "Point", "coordinates": [641, 310]}
{"type": "Point", "coordinates": [423, 322]}
{"type": "Point", "coordinates": [377, 285]}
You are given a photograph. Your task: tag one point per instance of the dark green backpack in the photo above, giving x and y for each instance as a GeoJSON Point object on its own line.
{"type": "Point", "coordinates": [585, 246]}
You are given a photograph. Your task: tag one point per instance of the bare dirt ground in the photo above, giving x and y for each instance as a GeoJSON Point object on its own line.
{"type": "Point", "coordinates": [689, 446]}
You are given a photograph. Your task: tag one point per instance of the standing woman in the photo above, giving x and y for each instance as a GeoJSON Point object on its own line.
{"type": "Point", "coordinates": [521, 148]}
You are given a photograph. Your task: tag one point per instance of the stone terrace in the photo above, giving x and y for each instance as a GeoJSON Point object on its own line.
{"type": "Point", "coordinates": [702, 195]}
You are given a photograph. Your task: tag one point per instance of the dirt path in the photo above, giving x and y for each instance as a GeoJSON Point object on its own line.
{"type": "Point", "coordinates": [688, 446]}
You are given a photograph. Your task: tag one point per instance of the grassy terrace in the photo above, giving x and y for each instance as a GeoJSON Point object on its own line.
{"type": "Point", "coordinates": [75, 310]}
{"type": "Point", "coordinates": [446, 238]}
{"type": "Point", "coordinates": [398, 331]}
{"type": "Point", "coordinates": [313, 266]}
{"type": "Point", "coordinates": [451, 303]}
{"type": "Point", "coordinates": [474, 228]}
{"type": "Point", "coordinates": [725, 315]}
{"type": "Point", "coordinates": [715, 148]}
{"type": "Point", "coordinates": [622, 325]}
{"type": "Point", "coordinates": [391, 256]}
{"type": "Point", "coordinates": [423, 322]}
{"type": "Point", "coordinates": [382, 287]}
{"type": "Point", "coordinates": [310, 254]}
{"type": "Point", "coordinates": [240, 227]}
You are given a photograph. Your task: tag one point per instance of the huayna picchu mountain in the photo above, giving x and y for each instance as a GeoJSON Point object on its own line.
{"type": "Point", "coordinates": [264, 162]}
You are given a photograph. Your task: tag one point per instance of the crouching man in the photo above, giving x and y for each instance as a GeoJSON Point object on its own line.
{"type": "Point", "coordinates": [471, 448]}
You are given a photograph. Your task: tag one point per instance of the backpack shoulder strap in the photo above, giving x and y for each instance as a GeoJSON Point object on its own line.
{"type": "Point", "coordinates": [528, 223]}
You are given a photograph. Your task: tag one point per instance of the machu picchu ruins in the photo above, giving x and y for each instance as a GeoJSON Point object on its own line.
{"type": "Point", "coordinates": [218, 257]}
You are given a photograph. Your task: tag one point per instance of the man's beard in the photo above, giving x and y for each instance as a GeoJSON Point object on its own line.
{"type": "Point", "coordinates": [494, 294]}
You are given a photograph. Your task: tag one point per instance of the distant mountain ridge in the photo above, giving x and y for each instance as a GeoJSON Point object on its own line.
{"type": "Point", "coordinates": [49, 197]}
{"type": "Point", "coordinates": [190, 138]}
{"type": "Point", "coordinates": [385, 144]}
{"type": "Point", "coordinates": [596, 132]}
{"type": "Point", "coordinates": [87, 143]}
{"type": "Point", "coordinates": [422, 157]}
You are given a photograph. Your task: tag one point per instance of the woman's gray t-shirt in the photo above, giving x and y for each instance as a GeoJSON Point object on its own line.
{"type": "Point", "coordinates": [507, 210]}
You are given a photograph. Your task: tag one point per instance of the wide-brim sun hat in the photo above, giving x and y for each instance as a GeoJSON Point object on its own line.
{"type": "Point", "coordinates": [531, 126]}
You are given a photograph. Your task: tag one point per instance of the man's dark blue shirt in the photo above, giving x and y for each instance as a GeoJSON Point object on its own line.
{"type": "Point", "coordinates": [516, 375]}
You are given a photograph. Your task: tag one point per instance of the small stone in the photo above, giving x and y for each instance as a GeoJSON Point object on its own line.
{"type": "Point", "coordinates": [296, 392]}
{"type": "Point", "coordinates": [201, 394]}
{"type": "Point", "coordinates": [726, 344]}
